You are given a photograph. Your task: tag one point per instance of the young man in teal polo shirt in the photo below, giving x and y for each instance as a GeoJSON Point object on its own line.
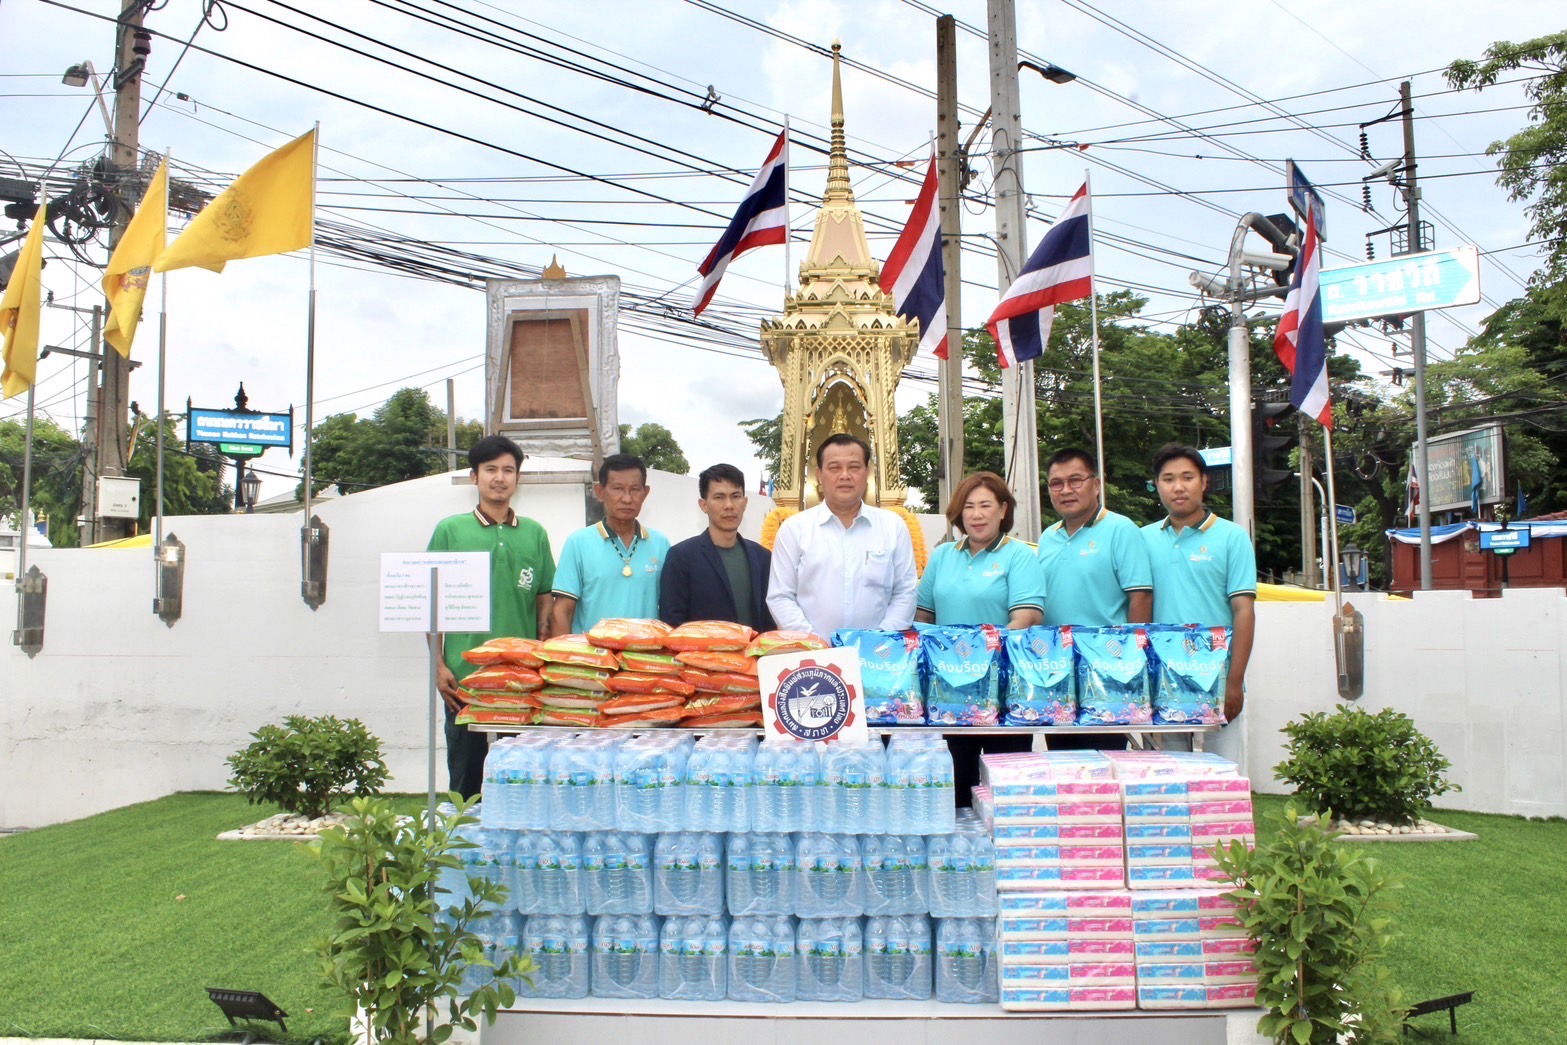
{"type": "Point", "coordinates": [1204, 567]}
{"type": "Point", "coordinates": [611, 569]}
{"type": "Point", "coordinates": [522, 572]}
{"type": "Point", "coordinates": [1095, 565]}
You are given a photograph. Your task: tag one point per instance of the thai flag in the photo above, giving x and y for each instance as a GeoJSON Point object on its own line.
{"type": "Point", "coordinates": [1412, 491]}
{"type": "Point", "coordinates": [763, 218]}
{"type": "Point", "coordinates": [1060, 269]}
{"type": "Point", "coordinates": [914, 275]}
{"type": "Point", "coordinates": [1300, 342]}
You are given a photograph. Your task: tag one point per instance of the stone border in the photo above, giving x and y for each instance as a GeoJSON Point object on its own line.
{"type": "Point", "coordinates": [1423, 831]}
{"type": "Point", "coordinates": [285, 827]}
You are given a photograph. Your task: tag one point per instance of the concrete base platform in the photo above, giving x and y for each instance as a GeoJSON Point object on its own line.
{"type": "Point", "coordinates": [864, 1023]}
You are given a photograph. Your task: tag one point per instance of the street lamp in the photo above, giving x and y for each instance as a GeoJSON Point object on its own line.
{"type": "Point", "coordinates": [79, 75]}
{"type": "Point", "coordinates": [250, 487]}
{"type": "Point", "coordinates": [1354, 561]}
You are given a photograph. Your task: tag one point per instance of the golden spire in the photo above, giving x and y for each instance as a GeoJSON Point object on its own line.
{"type": "Point", "coordinates": [838, 190]}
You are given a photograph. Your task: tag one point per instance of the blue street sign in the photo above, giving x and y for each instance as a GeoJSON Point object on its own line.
{"type": "Point", "coordinates": [1305, 199]}
{"type": "Point", "coordinates": [1344, 514]}
{"type": "Point", "coordinates": [1510, 539]}
{"type": "Point", "coordinates": [1217, 456]}
{"type": "Point", "coordinates": [239, 426]}
{"type": "Point", "coordinates": [1398, 286]}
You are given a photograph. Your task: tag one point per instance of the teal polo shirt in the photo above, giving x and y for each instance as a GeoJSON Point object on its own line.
{"type": "Point", "coordinates": [521, 569]}
{"type": "Point", "coordinates": [593, 571]}
{"type": "Point", "coordinates": [965, 585]}
{"type": "Point", "coordinates": [1198, 569]}
{"type": "Point", "coordinates": [1089, 574]}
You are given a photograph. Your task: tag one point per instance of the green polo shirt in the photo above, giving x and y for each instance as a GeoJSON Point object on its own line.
{"type": "Point", "coordinates": [1089, 574]}
{"type": "Point", "coordinates": [593, 571]}
{"type": "Point", "coordinates": [521, 569]}
{"type": "Point", "coordinates": [1197, 570]}
{"type": "Point", "coordinates": [965, 585]}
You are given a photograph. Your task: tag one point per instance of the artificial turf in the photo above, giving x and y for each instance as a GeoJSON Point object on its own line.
{"type": "Point", "coordinates": [110, 927]}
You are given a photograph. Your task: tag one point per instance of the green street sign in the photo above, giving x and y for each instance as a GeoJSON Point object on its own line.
{"type": "Point", "coordinates": [1398, 286]}
{"type": "Point", "coordinates": [241, 450]}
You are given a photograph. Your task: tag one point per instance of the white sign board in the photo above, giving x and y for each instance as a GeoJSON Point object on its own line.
{"type": "Point", "coordinates": [462, 604]}
{"type": "Point", "coordinates": [119, 498]}
{"type": "Point", "coordinates": [816, 695]}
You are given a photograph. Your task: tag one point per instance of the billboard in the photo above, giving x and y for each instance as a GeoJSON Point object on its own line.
{"type": "Point", "coordinates": [1456, 460]}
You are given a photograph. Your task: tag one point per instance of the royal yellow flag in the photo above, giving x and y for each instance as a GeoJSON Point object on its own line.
{"type": "Point", "coordinates": [130, 269]}
{"type": "Point", "coordinates": [268, 210]}
{"type": "Point", "coordinates": [19, 311]}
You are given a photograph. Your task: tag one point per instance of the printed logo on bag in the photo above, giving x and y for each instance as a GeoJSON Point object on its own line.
{"type": "Point", "coordinates": [812, 701]}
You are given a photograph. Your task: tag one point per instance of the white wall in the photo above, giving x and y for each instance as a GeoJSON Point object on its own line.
{"type": "Point", "coordinates": [118, 708]}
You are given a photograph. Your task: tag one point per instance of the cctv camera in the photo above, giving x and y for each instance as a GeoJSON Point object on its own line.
{"type": "Point", "coordinates": [1387, 168]}
{"type": "Point", "coordinates": [1213, 286]}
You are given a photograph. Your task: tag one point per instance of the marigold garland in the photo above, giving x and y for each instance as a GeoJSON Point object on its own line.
{"type": "Point", "coordinates": [776, 517]}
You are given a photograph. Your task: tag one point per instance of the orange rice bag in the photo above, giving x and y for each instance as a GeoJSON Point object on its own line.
{"type": "Point", "coordinates": [566, 717]}
{"type": "Point", "coordinates": [635, 703]}
{"type": "Point", "coordinates": [498, 701]}
{"type": "Point", "coordinates": [505, 678]}
{"type": "Point", "coordinates": [574, 676]}
{"type": "Point", "coordinates": [571, 699]}
{"type": "Point", "coordinates": [649, 663]}
{"type": "Point", "coordinates": [505, 651]}
{"type": "Point", "coordinates": [644, 682]}
{"type": "Point", "coordinates": [713, 703]}
{"type": "Point", "coordinates": [727, 682]}
{"type": "Point", "coordinates": [709, 660]}
{"type": "Point", "coordinates": [629, 633]}
{"type": "Point", "coordinates": [576, 649]}
{"type": "Point", "coordinates": [491, 717]}
{"type": "Point", "coordinates": [785, 642]}
{"type": "Point", "coordinates": [709, 635]}
{"type": "Point", "coordinates": [726, 720]}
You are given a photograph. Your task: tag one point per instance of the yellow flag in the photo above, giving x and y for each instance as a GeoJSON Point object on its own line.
{"type": "Point", "coordinates": [130, 269]}
{"type": "Point", "coordinates": [268, 210]}
{"type": "Point", "coordinates": [19, 311]}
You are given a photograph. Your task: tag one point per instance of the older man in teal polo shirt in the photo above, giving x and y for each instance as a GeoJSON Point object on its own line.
{"type": "Point", "coordinates": [610, 569]}
{"type": "Point", "coordinates": [1094, 560]}
{"type": "Point", "coordinates": [1204, 567]}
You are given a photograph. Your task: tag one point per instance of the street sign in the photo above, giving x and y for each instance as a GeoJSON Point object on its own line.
{"type": "Point", "coordinates": [1398, 286]}
{"type": "Point", "coordinates": [241, 450]}
{"type": "Point", "coordinates": [1304, 198]}
{"type": "Point", "coordinates": [1217, 456]}
{"type": "Point", "coordinates": [1344, 514]}
{"type": "Point", "coordinates": [239, 426]}
{"type": "Point", "coordinates": [1504, 542]}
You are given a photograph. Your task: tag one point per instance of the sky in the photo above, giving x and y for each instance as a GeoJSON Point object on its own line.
{"type": "Point", "coordinates": [499, 144]}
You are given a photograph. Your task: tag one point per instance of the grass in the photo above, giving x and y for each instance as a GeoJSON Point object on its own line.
{"type": "Point", "coordinates": [1487, 916]}
{"type": "Point", "coordinates": [111, 927]}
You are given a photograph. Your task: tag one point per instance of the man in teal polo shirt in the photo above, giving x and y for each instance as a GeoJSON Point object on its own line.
{"type": "Point", "coordinates": [1095, 565]}
{"type": "Point", "coordinates": [610, 569]}
{"type": "Point", "coordinates": [1204, 567]}
{"type": "Point", "coordinates": [522, 571]}
{"type": "Point", "coordinates": [1095, 562]}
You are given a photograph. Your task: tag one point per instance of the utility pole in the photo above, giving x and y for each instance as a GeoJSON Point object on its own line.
{"type": "Point", "coordinates": [88, 527]}
{"type": "Point", "coordinates": [132, 45]}
{"type": "Point", "coordinates": [949, 459]}
{"type": "Point", "coordinates": [1019, 424]}
{"type": "Point", "coordinates": [1308, 516]}
{"type": "Point", "coordinates": [1417, 340]}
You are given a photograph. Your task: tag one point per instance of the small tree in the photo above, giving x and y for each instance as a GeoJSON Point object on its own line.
{"type": "Point", "coordinates": [1319, 914]}
{"type": "Point", "coordinates": [392, 949]}
{"type": "Point", "coordinates": [308, 764]}
{"type": "Point", "coordinates": [1362, 765]}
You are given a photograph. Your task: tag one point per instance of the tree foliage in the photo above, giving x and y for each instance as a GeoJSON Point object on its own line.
{"type": "Point", "coordinates": [656, 446]}
{"type": "Point", "coordinates": [57, 476]}
{"type": "Point", "coordinates": [404, 439]}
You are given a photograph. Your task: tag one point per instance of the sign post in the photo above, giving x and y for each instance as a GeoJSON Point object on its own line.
{"type": "Point", "coordinates": [1400, 286]}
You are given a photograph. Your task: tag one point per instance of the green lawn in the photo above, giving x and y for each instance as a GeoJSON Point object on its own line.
{"type": "Point", "coordinates": [111, 927]}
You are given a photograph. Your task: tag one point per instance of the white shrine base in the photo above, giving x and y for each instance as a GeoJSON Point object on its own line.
{"type": "Point", "coordinates": [602, 1020]}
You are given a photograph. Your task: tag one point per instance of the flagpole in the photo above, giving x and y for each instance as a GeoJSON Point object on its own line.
{"type": "Point", "coordinates": [163, 331]}
{"type": "Point", "coordinates": [1093, 311]}
{"type": "Point", "coordinates": [310, 350]}
{"type": "Point", "coordinates": [1332, 514]}
{"type": "Point", "coordinates": [788, 281]}
{"type": "Point", "coordinates": [27, 486]}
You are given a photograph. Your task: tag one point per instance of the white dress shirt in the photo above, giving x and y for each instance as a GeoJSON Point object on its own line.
{"type": "Point", "coordinates": [827, 576]}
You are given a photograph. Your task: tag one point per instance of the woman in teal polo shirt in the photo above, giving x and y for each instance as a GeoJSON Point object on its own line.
{"type": "Point", "coordinates": [985, 577]}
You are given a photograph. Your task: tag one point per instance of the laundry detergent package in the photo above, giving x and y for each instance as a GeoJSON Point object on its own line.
{"type": "Point", "coordinates": [1113, 676]}
{"type": "Point", "coordinates": [1191, 666]}
{"type": "Point", "coordinates": [1041, 685]}
{"type": "Point", "coordinates": [890, 673]}
{"type": "Point", "coordinates": [963, 669]}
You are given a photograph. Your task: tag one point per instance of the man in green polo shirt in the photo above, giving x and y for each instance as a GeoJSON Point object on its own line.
{"type": "Point", "coordinates": [1204, 567]}
{"type": "Point", "coordinates": [522, 572]}
{"type": "Point", "coordinates": [610, 569]}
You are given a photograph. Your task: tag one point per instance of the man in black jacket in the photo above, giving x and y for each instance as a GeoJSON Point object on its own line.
{"type": "Point", "coordinates": [717, 575]}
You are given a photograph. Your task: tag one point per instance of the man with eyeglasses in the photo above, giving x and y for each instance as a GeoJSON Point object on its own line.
{"type": "Point", "coordinates": [1095, 563]}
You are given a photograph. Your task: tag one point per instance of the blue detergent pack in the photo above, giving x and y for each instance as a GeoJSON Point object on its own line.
{"type": "Point", "coordinates": [1041, 685]}
{"type": "Point", "coordinates": [890, 673]}
{"type": "Point", "coordinates": [1191, 668]}
{"type": "Point", "coordinates": [963, 669]}
{"type": "Point", "coordinates": [1114, 685]}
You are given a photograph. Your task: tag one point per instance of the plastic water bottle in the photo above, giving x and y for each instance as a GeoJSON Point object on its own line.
{"type": "Point", "coordinates": [830, 876]}
{"type": "Point", "coordinates": [891, 863]}
{"type": "Point", "coordinates": [624, 953]}
{"type": "Point", "coordinates": [688, 874]}
{"type": "Point", "coordinates": [761, 959]}
{"type": "Point", "coordinates": [700, 785]}
{"type": "Point", "coordinates": [595, 878]}
{"type": "Point", "coordinates": [650, 772]}
{"type": "Point", "coordinates": [739, 891]}
{"type": "Point", "coordinates": [451, 883]}
{"type": "Point", "coordinates": [965, 961]}
{"type": "Point", "coordinates": [559, 873]}
{"type": "Point", "coordinates": [765, 778]}
{"type": "Point", "coordinates": [582, 784]}
{"type": "Point", "coordinates": [507, 929]}
{"type": "Point", "coordinates": [639, 872]}
{"type": "Point", "coordinates": [525, 872]}
{"type": "Point", "coordinates": [798, 804]}
{"type": "Point", "coordinates": [937, 804]}
{"type": "Point", "coordinates": [533, 772]}
{"type": "Point", "coordinates": [493, 790]}
{"type": "Point", "coordinates": [710, 873]}
{"type": "Point", "coordinates": [692, 958]}
{"type": "Point", "coordinates": [856, 779]}
{"type": "Point", "coordinates": [946, 900]}
{"type": "Point", "coordinates": [829, 958]}
{"type": "Point", "coordinates": [982, 862]}
{"type": "Point", "coordinates": [898, 957]}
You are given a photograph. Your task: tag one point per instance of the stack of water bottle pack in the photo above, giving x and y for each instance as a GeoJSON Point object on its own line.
{"type": "Point", "coordinates": [661, 866]}
{"type": "Point", "coordinates": [1081, 839]}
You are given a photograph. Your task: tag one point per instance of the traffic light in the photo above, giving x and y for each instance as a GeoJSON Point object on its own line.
{"type": "Point", "coordinates": [1270, 441]}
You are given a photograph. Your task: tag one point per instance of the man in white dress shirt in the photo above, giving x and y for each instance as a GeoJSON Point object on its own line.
{"type": "Point", "coordinates": [843, 563]}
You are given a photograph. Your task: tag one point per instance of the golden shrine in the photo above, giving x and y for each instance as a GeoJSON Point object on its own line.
{"type": "Point", "coordinates": [838, 346]}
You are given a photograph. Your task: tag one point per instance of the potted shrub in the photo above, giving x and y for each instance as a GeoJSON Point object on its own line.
{"type": "Point", "coordinates": [1364, 766]}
